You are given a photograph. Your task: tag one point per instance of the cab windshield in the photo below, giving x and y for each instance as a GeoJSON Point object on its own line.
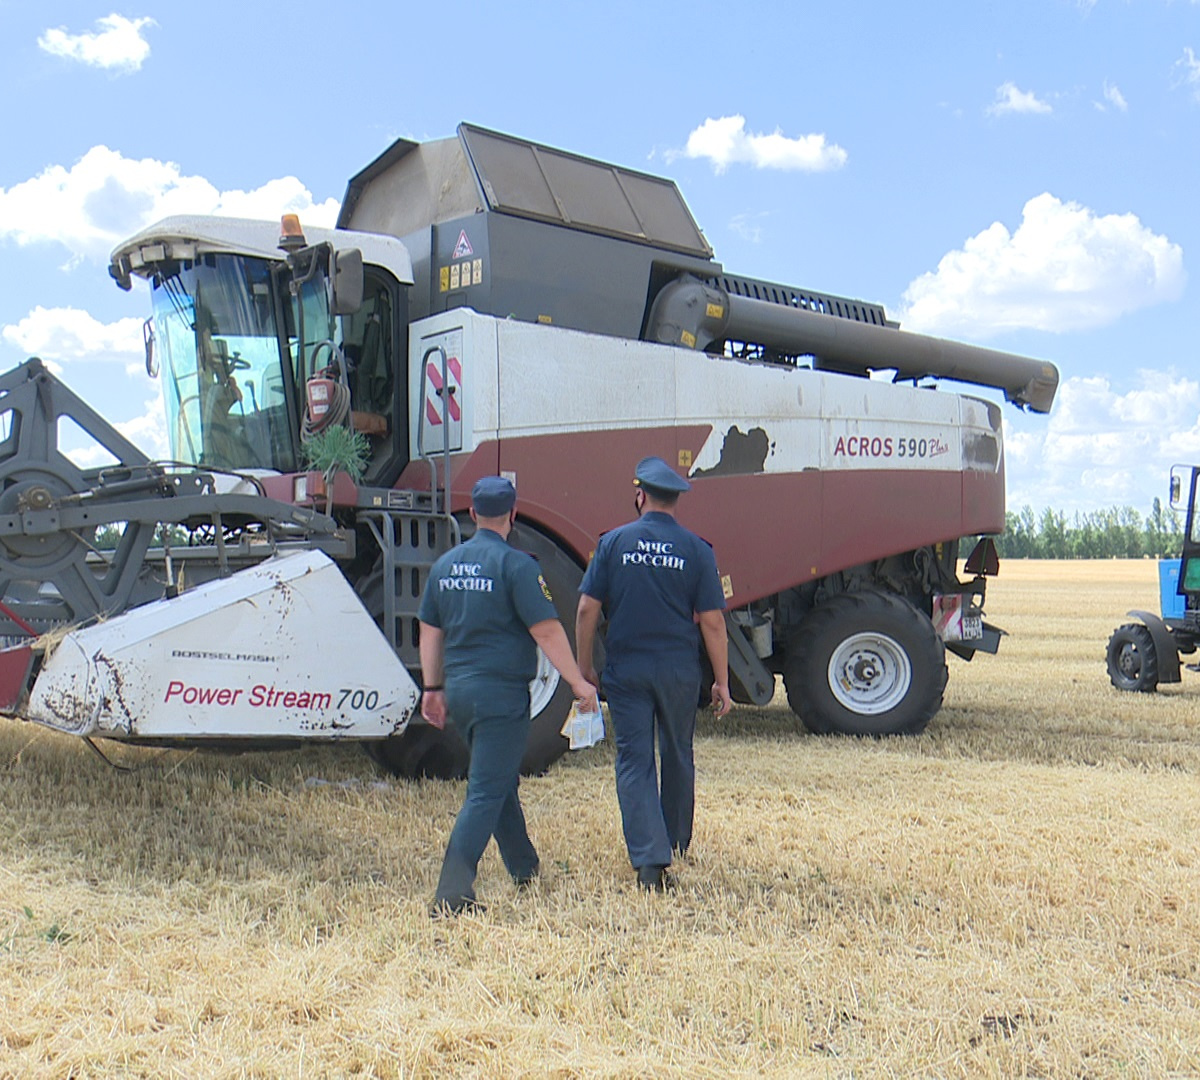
{"type": "Point", "coordinates": [218, 337]}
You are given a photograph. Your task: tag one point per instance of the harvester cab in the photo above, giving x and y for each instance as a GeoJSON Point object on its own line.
{"type": "Point", "coordinates": [258, 353]}
{"type": "Point", "coordinates": [1144, 654]}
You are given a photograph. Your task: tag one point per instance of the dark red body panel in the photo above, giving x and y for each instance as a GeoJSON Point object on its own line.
{"type": "Point", "coordinates": [770, 531]}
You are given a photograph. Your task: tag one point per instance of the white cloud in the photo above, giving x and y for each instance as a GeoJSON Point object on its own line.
{"type": "Point", "coordinates": [748, 226]}
{"type": "Point", "coordinates": [118, 45]}
{"type": "Point", "coordinates": [1101, 448]}
{"type": "Point", "coordinates": [1189, 75]}
{"type": "Point", "coordinates": [69, 336]}
{"type": "Point", "coordinates": [1065, 268]}
{"type": "Point", "coordinates": [1011, 100]}
{"type": "Point", "coordinates": [1114, 97]}
{"type": "Point", "coordinates": [64, 334]}
{"type": "Point", "coordinates": [725, 141]}
{"type": "Point", "coordinates": [148, 432]}
{"type": "Point", "coordinates": [105, 197]}
{"type": "Point", "coordinates": [70, 341]}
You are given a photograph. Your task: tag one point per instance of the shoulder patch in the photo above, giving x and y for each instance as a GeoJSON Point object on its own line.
{"type": "Point", "coordinates": [545, 588]}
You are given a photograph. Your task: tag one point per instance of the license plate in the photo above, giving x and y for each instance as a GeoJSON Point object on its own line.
{"type": "Point", "coordinates": [972, 627]}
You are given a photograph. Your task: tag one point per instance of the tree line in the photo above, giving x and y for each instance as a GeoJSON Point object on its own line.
{"type": "Point", "coordinates": [1116, 533]}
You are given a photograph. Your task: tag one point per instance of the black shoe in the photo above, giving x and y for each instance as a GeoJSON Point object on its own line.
{"type": "Point", "coordinates": [447, 909]}
{"type": "Point", "coordinates": [655, 878]}
{"type": "Point", "coordinates": [525, 881]}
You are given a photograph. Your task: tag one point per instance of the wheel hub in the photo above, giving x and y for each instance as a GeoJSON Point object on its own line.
{"type": "Point", "coordinates": [1129, 662]}
{"type": "Point", "coordinates": [544, 684]}
{"type": "Point", "coordinates": [34, 491]}
{"type": "Point", "coordinates": [869, 673]}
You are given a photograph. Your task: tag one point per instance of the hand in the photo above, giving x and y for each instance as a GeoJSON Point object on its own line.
{"type": "Point", "coordinates": [721, 701]}
{"type": "Point", "coordinates": [586, 696]}
{"type": "Point", "coordinates": [433, 708]}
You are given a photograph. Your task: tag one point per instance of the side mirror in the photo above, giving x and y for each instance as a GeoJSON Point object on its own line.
{"type": "Point", "coordinates": [347, 281]}
{"type": "Point", "coordinates": [148, 341]}
{"type": "Point", "coordinates": [1176, 499]}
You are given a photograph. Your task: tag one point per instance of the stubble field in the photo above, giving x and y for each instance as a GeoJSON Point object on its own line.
{"type": "Point", "coordinates": [1015, 893]}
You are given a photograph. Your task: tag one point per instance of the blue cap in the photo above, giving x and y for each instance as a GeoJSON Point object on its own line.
{"type": "Point", "coordinates": [657, 475]}
{"type": "Point", "coordinates": [493, 496]}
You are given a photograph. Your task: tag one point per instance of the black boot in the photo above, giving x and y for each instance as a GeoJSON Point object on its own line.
{"type": "Point", "coordinates": [655, 878]}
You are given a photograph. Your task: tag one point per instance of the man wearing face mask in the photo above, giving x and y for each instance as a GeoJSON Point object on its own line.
{"type": "Point", "coordinates": [657, 584]}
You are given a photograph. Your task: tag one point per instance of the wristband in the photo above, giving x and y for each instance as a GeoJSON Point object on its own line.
{"type": "Point", "coordinates": [431, 689]}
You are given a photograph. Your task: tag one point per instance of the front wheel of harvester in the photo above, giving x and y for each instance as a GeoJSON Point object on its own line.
{"type": "Point", "coordinates": [1132, 659]}
{"type": "Point", "coordinates": [550, 694]}
{"type": "Point", "coordinates": [866, 663]}
{"type": "Point", "coordinates": [424, 751]}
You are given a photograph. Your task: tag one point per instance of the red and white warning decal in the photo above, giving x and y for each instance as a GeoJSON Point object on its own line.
{"type": "Point", "coordinates": [955, 620]}
{"type": "Point", "coordinates": [463, 248]}
{"type": "Point", "coordinates": [438, 398]}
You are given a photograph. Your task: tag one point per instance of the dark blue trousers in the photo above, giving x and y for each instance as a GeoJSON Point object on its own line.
{"type": "Point", "coordinates": [649, 697]}
{"type": "Point", "coordinates": [493, 720]}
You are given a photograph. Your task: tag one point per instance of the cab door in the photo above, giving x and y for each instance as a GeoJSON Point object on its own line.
{"type": "Point", "coordinates": [1183, 489]}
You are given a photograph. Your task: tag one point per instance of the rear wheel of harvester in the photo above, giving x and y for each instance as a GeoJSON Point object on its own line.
{"type": "Point", "coordinates": [865, 663]}
{"type": "Point", "coordinates": [424, 751]}
{"type": "Point", "coordinates": [1132, 659]}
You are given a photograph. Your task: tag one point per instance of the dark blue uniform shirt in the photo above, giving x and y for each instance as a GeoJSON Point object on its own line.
{"type": "Point", "coordinates": [484, 596]}
{"type": "Point", "coordinates": [651, 576]}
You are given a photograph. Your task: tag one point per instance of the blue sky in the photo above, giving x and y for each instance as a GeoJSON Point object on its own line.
{"type": "Point", "coordinates": [1019, 174]}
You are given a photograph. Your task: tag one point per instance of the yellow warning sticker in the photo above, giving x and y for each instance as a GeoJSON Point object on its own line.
{"type": "Point", "coordinates": [714, 311]}
{"type": "Point", "coordinates": [454, 276]}
{"type": "Point", "coordinates": [688, 338]}
{"type": "Point", "coordinates": [444, 279]}
{"type": "Point", "coordinates": [545, 319]}
{"type": "Point", "coordinates": [685, 459]}
{"type": "Point", "coordinates": [477, 272]}
{"type": "Point", "coordinates": [727, 586]}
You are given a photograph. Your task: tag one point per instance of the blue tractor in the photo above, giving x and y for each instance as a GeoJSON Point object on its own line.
{"type": "Point", "coordinates": [1143, 654]}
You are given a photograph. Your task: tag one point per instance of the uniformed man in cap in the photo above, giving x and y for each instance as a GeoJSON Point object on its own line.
{"type": "Point", "coordinates": [484, 611]}
{"type": "Point", "coordinates": [657, 585]}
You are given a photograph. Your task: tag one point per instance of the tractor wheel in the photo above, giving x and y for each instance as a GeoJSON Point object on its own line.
{"type": "Point", "coordinates": [424, 751]}
{"type": "Point", "coordinates": [866, 663]}
{"type": "Point", "coordinates": [1132, 660]}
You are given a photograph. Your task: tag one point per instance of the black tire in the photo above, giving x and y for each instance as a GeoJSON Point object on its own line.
{"type": "Point", "coordinates": [866, 663]}
{"type": "Point", "coordinates": [426, 752]}
{"type": "Point", "coordinates": [1132, 659]}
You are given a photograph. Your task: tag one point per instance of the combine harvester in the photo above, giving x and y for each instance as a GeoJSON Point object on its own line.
{"type": "Point", "coordinates": [487, 305]}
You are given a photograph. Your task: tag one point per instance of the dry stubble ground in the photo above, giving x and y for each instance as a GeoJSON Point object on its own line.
{"type": "Point", "coordinates": [1015, 893]}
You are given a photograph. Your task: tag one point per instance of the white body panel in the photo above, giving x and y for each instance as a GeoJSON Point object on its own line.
{"type": "Point", "coordinates": [546, 380]}
{"type": "Point", "coordinates": [187, 236]}
{"type": "Point", "coordinates": [282, 649]}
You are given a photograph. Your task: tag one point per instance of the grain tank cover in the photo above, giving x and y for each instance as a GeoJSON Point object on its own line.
{"type": "Point", "coordinates": [522, 178]}
{"type": "Point", "coordinates": [429, 183]}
